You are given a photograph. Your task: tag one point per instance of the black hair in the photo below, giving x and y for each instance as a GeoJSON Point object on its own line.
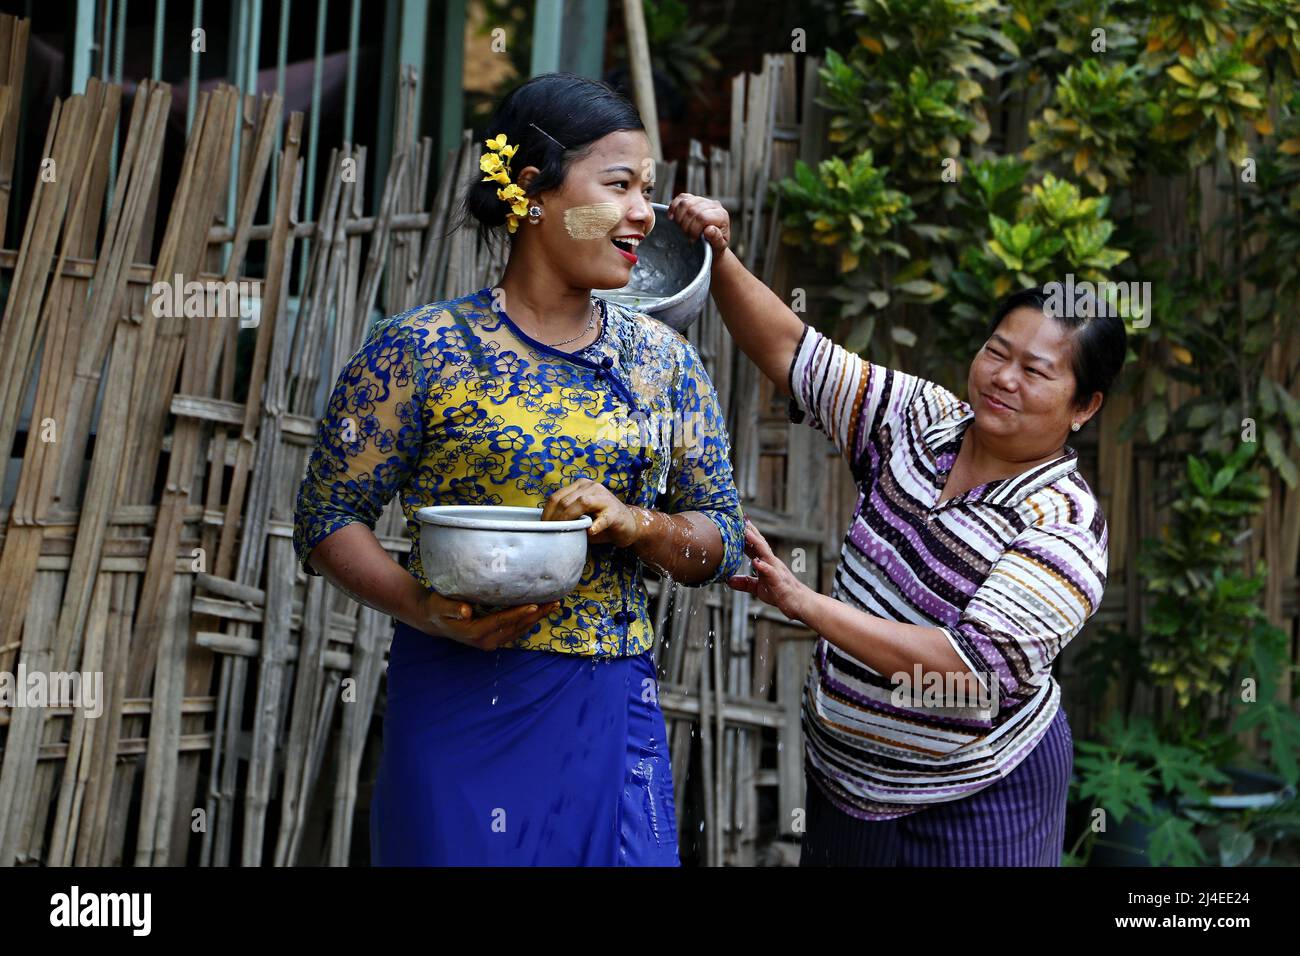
{"type": "Point", "coordinates": [1099, 342]}
{"type": "Point", "coordinates": [553, 119]}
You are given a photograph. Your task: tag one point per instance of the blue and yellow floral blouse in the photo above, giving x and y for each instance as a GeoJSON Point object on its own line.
{"type": "Point", "coordinates": [452, 403]}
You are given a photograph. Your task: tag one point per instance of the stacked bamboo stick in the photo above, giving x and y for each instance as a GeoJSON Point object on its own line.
{"type": "Point", "coordinates": [152, 540]}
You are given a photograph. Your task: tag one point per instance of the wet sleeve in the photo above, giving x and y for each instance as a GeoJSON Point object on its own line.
{"type": "Point", "coordinates": [700, 477]}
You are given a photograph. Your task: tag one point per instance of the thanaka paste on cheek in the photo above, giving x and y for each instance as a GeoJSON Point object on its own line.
{"type": "Point", "coordinates": [593, 221]}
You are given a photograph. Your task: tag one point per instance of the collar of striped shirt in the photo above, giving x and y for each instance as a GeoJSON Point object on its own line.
{"type": "Point", "coordinates": [944, 437]}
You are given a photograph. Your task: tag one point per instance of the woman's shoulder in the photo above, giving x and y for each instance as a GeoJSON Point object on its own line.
{"type": "Point", "coordinates": [442, 312]}
{"type": "Point", "coordinates": [941, 402]}
{"type": "Point", "coordinates": [426, 328]}
{"type": "Point", "coordinates": [1065, 507]}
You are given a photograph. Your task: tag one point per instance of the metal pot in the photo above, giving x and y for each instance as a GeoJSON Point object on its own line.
{"type": "Point", "coordinates": [1251, 790]}
{"type": "Point", "coordinates": [670, 280]}
{"type": "Point", "coordinates": [501, 556]}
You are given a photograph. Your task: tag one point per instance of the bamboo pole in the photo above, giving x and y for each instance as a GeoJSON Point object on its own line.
{"type": "Point", "coordinates": [643, 90]}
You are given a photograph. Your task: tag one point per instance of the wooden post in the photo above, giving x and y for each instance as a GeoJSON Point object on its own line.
{"type": "Point", "coordinates": [643, 88]}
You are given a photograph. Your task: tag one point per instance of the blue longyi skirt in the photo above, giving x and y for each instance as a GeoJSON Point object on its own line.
{"type": "Point", "coordinates": [520, 758]}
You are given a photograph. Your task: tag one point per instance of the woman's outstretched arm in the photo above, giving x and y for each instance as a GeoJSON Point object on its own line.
{"type": "Point", "coordinates": [762, 325]}
{"type": "Point", "coordinates": [838, 392]}
{"type": "Point", "coordinates": [888, 647]}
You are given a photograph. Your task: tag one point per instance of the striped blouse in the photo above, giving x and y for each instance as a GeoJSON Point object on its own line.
{"type": "Point", "coordinates": [1009, 571]}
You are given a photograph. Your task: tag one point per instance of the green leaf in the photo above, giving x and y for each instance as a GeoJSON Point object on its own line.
{"type": "Point", "coordinates": [1202, 414]}
{"type": "Point", "coordinates": [929, 231]}
{"type": "Point", "coordinates": [1235, 846]}
{"type": "Point", "coordinates": [1173, 843]}
{"type": "Point", "coordinates": [1130, 425]}
{"type": "Point", "coordinates": [968, 286]}
{"type": "Point", "coordinates": [917, 287]}
{"type": "Point", "coordinates": [1282, 731]}
{"type": "Point", "coordinates": [902, 336]}
{"type": "Point", "coordinates": [861, 334]}
{"type": "Point", "coordinates": [1276, 452]}
{"type": "Point", "coordinates": [1267, 397]}
{"type": "Point", "coordinates": [1290, 404]}
{"type": "Point", "coordinates": [1156, 419]}
{"type": "Point", "coordinates": [1114, 784]}
{"type": "Point", "coordinates": [1182, 770]}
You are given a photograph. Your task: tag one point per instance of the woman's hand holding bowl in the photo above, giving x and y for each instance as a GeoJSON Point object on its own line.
{"type": "Point", "coordinates": [613, 522]}
{"type": "Point", "coordinates": [454, 619]}
{"type": "Point", "coordinates": [699, 216]}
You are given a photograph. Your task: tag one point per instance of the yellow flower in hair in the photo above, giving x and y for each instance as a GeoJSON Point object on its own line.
{"type": "Point", "coordinates": [498, 171]}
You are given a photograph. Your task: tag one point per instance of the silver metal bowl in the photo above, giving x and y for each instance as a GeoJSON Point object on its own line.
{"type": "Point", "coordinates": [670, 280]}
{"type": "Point", "coordinates": [501, 556]}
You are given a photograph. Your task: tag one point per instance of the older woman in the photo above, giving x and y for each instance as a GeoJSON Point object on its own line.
{"type": "Point", "coordinates": [530, 735]}
{"type": "Point", "coordinates": [934, 732]}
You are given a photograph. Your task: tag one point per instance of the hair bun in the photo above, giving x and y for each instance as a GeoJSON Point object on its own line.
{"type": "Point", "coordinates": [483, 204]}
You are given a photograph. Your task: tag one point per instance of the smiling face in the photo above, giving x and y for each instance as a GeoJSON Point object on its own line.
{"type": "Point", "coordinates": [1021, 385]}
{"type": "Point", "coordinates": [592, 224]}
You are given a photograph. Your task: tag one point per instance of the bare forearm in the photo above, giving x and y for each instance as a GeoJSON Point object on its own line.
{"type": "Point", "coordinates": [887, 647]}
{"type": "Point", "coordinates": [762, 325]}
{"type": "Point", "coordinates": [353, 560]}
{"type": "Point", "coordinates": [687, 546]}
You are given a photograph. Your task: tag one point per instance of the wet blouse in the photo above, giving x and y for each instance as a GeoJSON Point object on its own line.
{"type": "Point", "coordinates": [1009, 571]}
{"type": "Point", "coordinates": [452, 403]}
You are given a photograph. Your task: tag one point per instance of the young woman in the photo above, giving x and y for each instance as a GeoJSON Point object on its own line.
{"type": "Point", "coordinates": [531, 735]}
{"type": "Point", "coordinates": [933, 727]}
